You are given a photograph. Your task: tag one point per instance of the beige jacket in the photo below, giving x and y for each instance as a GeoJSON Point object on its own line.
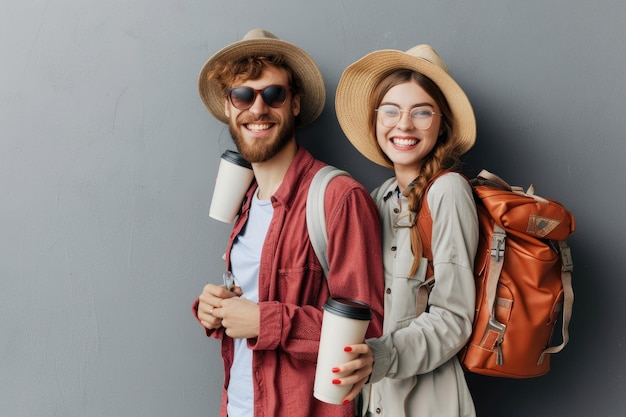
{"type": "Point", "coordinates": [416, 370]}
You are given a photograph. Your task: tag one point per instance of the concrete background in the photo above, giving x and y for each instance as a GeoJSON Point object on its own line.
{"type": "Point", "coordinates": [107, 162]}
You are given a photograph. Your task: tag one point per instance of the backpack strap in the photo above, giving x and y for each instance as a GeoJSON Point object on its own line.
{"type": "Point", "coordinates": [494, 334]}
{"type": "Point", "coordinates": [425, 225]}
{"type": "Point", "coordinates": [568, 298]}
{"type": "Point", "coordinates": [315, 213]}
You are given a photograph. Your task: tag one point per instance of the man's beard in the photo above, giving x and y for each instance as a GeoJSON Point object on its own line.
{"type": "Point", "coordinates": [262, 150]}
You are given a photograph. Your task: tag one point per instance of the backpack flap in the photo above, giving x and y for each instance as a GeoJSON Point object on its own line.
{"type": "Point", "coordinates": [525, 212]}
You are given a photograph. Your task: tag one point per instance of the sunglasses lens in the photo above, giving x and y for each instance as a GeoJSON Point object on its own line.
{"type": "Point", "coordinates": [274, 95]}
{"type": "Point", "coordinates": [242, 97]}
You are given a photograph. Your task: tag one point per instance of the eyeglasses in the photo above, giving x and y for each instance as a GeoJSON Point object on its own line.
{"type": "Point", "coordinates": [243, 98]}
{"type": "Point", "coordinates": [422, 117]}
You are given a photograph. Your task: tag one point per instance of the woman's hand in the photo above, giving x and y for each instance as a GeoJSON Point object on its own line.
{"type": "Point", "coordinates": [355, 372]}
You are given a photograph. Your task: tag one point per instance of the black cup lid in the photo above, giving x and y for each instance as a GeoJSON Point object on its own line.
{"type": "Point", "coordinates": [346, 307]}
{"type": "Point", "coordinates": [236, 158]}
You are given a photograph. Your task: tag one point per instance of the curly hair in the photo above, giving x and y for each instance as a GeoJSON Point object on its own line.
{"type": "Point", "coordinates": [444, 156]}
{"type": "Point", "coordinates": [225, 73]}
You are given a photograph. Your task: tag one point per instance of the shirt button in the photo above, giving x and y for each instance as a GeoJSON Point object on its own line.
{"type": "Point", "coordinates": [378, 410]}
{"type": "Point", "coordinates": [396, 210]}
{"type": "Point", "coordinates": [388, 291]}
{"type": "Point", "coordinates": [393, 248]}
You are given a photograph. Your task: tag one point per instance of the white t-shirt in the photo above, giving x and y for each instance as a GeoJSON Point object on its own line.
{"type": "Point", "coordinates": [245, 259]}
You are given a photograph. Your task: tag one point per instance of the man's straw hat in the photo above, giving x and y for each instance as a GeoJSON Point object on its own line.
{"type": "Point", "coordinates": [259, 42]}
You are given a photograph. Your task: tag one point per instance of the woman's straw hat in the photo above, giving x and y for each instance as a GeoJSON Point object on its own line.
{"type": "Point", "coordinates": [259, 42]}
{"type": "Point", "coordinates": [352, 102]}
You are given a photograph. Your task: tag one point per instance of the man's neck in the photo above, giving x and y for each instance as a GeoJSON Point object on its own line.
{"type": "Point", "coordinates": [270, 174]}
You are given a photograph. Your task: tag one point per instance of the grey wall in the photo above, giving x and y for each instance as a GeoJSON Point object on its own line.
{"type": "Point", "coordinates": [107, 159]}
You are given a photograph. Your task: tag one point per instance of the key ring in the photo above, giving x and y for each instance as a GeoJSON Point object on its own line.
{"type": "Point", "coordinates": [229, 280]}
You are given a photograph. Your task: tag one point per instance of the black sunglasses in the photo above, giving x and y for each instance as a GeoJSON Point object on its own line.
{"type": "Point", "coordinates": [243, 98]}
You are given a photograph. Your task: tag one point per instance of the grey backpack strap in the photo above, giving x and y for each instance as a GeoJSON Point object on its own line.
{"type": "Point", "coordinates": [315, 215]}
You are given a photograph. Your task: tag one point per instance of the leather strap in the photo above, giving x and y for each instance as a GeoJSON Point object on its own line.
{"type": "Point", "coordinates": [494, 333]}
{"type": "Point", "coordinates": [568, 298]}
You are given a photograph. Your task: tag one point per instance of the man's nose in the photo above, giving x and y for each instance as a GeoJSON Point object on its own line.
{"type": "Point", "coordinates": [259, 107]}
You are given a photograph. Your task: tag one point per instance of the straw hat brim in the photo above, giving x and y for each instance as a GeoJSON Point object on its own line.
{"type": "Point", "coordinates": [314, 94]}
{"type": "Point", "coordinates": [358, 81]}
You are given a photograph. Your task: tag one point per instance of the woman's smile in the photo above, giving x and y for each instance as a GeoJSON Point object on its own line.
{"type": "Point", "coordinates": [403, 143]}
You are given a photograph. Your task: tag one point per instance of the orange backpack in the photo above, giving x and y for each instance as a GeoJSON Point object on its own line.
{"type": "Point", "coordinates": [523, 279]}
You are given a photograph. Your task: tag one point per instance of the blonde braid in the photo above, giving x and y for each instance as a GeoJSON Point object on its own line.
{"type": "Point", "coordinates": [440, 158]}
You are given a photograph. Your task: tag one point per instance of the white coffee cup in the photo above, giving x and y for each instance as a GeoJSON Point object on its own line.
{"type": "Point", "coordinates": [234, 176]}
{"type": "Point", "coordinates": [344, 323]}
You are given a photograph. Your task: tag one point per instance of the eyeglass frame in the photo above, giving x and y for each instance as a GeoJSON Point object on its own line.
{"type": "Point", "coordinates": [432, 114]}
{"type": "Point", "coordinates": [258, 92]}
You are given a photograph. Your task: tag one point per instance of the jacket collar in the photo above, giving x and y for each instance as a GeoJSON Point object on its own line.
{"type": "Point", "coordinates": [286, 194]}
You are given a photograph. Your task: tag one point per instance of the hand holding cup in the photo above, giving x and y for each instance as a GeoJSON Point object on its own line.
{"type": "Point", "coordinates": [344, 324]}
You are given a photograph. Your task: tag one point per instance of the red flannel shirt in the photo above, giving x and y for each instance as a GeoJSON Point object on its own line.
{"type": "Point", "coordinates": [292, 288]}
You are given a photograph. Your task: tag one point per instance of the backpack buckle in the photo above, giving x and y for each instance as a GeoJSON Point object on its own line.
{"type": "Point", "coordinates": [497, 242]}
{"type": "Point", "coordinates": [493, 338]}
{"type": "Point", "coordinates": [566, 256]}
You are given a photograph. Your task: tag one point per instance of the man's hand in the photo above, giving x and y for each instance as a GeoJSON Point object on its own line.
{"type": "Point", "coordinates": [239, 316]}
{"type": "Point", "coordinates": [212, 297]}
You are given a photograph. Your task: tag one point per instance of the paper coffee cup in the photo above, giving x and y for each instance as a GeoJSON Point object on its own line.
{"type": "Point", "coordinates": [344, 323]}
{"type": "Point", "coordinates": [234, 176]}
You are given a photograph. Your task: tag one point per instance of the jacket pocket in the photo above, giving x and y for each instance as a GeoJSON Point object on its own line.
{"type": "Point", "coordinates": [404, 288]}
{"type": "Point", "coordinates": [300, 285]}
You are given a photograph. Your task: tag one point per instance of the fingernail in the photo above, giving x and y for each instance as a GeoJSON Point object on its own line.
{"type": "Point", "coordinates": [347, 349]}
{"type": "Point", "coordinates": [335, 370]}
{"type": "Point", "coordinates": [336, 382]}
{"type": "Point", "coordinates": [346, 401]}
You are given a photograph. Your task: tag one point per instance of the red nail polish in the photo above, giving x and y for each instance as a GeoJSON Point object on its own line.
{"type": "Point", "coordinates": [347, 349]}
{"type": "Point", "coordinates": [336, 382]}
{"type": "Point", "coordinates": [346, 401]}
{"type": "Point", "coordinates": [335, 370]}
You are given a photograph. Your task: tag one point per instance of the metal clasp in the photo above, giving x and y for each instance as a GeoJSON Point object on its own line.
{"type": "Point", "coordinates": [495, 326]}
{"type": "Point", "coordinates": [566, 256]}
{"type": "Point", "coordinates": [498, 243]}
